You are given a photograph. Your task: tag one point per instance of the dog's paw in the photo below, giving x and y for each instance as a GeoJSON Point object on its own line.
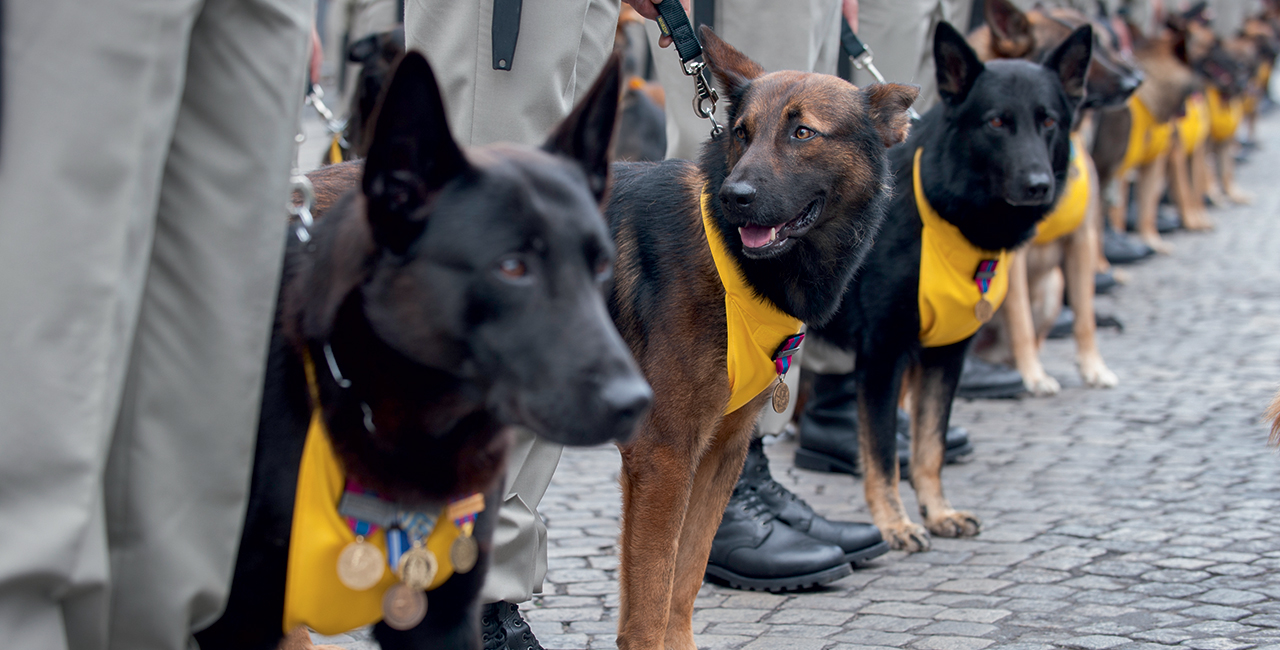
{"type": "Point", "coordinates": [1158, 245]}
{"type": "Point", "coordinates": [1199, 221]}
{"type": "Point", "coordinates": [1216, 198]}
{"type": "Point", "coordinates": [1097, 375]}
{"type": "Point", "coordinates": [953, 523]}
{"type": "Point", "coordinates": [1042, 386]}
{"type": "Point", "coordinates": [906, 536]}
{"type": "Point", "coordinates": [1241, 197]}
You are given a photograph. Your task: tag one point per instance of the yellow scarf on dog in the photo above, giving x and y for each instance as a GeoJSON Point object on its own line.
{"type": "Point", "coordinates": [1147, 139]}
{"type": "Point", "coordinates": [1069, 213]}
{"type": "Point", "coordinates": [948, 295]}
{"type": "Point", "coordinates": [1224, 116]}
{"type": "Point", "coordinates": [313, 595]}
{"type": "Point", "coordinates": [1193, 127]}
{"type": "Point", "coordinates": [756, 327]}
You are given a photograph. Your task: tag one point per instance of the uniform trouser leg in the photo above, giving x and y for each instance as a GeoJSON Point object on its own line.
{"type": "Point", "coordinates": [900, 35]}
{"type": "Point", "coordinates": [136, 318]}
{"type": "Point", "coordinates": [562, 47]}
{"type": "Point", "coordinates": [801, 36]}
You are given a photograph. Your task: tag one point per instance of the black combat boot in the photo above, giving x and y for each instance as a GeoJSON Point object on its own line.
{"type": "Point", "coordinates": [502, 628]}
{"type": "Point", "coordinates": [754, 550]}
{"type": "Point", "coordinates": [829, 430]}
{"type": "Point", "coordinates": [861, 542]}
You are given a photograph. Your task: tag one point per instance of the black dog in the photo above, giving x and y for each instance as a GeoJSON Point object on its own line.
{"type": "Point", "coordinates": [993, 157]}
{"type": "Point", "coordinates": [446, 296]}
{"type": "Point", "coordinates": [377, 55]}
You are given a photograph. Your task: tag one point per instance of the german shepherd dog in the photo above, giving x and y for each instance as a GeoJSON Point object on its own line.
{"type": "Point", "coordinates": [446, 296]}
{"type": "Point", "coordinates": [993, 159]}
{"type": "Point", "coordinates": [795, 188]}
{"type": "Point", "coordinates": [1037, 280]}
{"type": "Point", "coordinates": [377, 55]}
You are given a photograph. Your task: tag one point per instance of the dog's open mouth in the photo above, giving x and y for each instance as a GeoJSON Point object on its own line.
{"type": "Point", "coordinates": [758, 240]}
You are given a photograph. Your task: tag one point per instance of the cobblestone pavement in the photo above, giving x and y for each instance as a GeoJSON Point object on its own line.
{"type": "Point", "coordinates": [1138, 517]}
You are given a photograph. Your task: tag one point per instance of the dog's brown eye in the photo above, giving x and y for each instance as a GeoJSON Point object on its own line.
{"type": "Point", "coordinates": [995, 122]}
{"type": "Point", "coordinates": [739, 133]}
{"type": "Point", "coordinates": [1049, 122]}
{"type": "Point", "coordinates": [513, 268]}
{"type": "Point", "coordinates": [804, 133]}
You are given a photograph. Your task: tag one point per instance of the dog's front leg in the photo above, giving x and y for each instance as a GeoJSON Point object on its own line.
{"type": "Point", "coordinates": [1082, 246]}
{"type": "Point", "coordinates": [1192, 211]}
{"type": "Point", "coordinates": [1199, 165]}
{"type": "Point", "coordinates": [713, 483]}
{"type": "Point", "coordinates": [1016, 312]}
{"type": "Point", "coordinates": [934, 386]}
{"type": "Point", "coordinates": [879, 381]}
{"type": "Point", "coordinates": [657, 476]}
{"type": "Point", "coordinates": [1151, 184]}
{"type": "Point", "coordinates": [1227, 163]}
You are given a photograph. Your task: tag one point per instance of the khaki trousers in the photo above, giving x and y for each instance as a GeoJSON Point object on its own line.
{"type": "Point", "coordinates": [143, 180]}
{"type": "Point", "coordinates": [900, 35]}
{"type": "Point", "coordinates": [562, 48]}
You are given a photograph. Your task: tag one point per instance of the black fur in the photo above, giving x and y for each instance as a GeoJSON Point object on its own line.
{"type": "Point", "coordinates": [460, 293]}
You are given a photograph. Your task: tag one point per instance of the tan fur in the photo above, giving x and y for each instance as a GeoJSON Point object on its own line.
{"type": "Point", "coordinates": [1273, 414]}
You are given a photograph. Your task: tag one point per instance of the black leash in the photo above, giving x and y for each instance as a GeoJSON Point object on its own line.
{"type": "Point", "coordinates": [860, 55]}
{"type": "Point", "coordinates": [674, 23]}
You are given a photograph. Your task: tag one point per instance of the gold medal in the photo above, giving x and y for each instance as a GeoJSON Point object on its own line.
{"type": "Point", "coordinates": [983, 310]}
{"type": "Point", "coordinates": [781, 396]}
{"type": "Point", "coordinates": [418, 567]}
{"type": "Point", "coordinates": [360, 565]}
{"type": "Point", "coordinates": [403, 607]}
{"type": "Point", "coordinates": [464, 553]}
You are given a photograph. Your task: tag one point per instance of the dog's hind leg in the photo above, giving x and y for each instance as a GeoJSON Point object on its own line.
{"type": "Point", "coordinates": [1081, 247]}
{"type": "Point", "coordinates": [1199, 166]}
{"type": "Point", "coordinates": [713, 482]}
{"type": "Point", "coordinates": [1193, 217]}
{"type": "Point", "coordinates": [879, 381]}
{"type": "Point", "coordinates": [934, 386]}
{"type": "Point", "coordinates": [1227, 166]}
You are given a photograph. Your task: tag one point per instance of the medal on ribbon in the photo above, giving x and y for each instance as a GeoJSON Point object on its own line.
{"type": "Point", "coordinates": [464, 552]}
{"type": "Point", "coordinates": [360, 564]}
{"type": "Point", "coordinates": [984, 310]}
{"type": "Point", "coordinates": [782, 363]}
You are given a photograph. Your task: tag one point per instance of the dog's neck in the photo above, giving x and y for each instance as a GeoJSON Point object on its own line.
{"type": "Point", "coordinates": [409, 431]}
{"type": "Point", "coordinates": [808, 281]}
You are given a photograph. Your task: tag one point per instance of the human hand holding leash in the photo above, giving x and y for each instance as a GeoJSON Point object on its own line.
{"type": "Point", "coordinates": [649, 9]}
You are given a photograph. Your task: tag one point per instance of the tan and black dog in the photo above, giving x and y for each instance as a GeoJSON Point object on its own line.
{"type": "Point", "coordinates": [1068, 237]}
{"type": "Point", "coordinates": [719, 264]}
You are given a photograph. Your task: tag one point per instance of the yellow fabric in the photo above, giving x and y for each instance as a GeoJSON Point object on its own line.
{"type": "Point", "coordinates": [947, 294]}
{"type": "Point", "coordinates": [313, 595]}
{"type": "Point", "coordinates": [1074, 202]}
{"type": "Point", "coordinates": [1224, 115]}
{"type": "Point", "coordinates": [1193, 127]}
{"type": "Point", "coordinates": [756, 327]}
{"type": "Point", "coordinates": [335, 150]}
{"type": "Point", "coordinates": [1147, 139]}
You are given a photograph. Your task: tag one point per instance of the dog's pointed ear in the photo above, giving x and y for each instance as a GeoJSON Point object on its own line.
{"type": "Point", "coordinates": [1071, 61]}
{"type": "Point", "coordinates": [887, 105]}
{"type": "Point", "coordinates": [587, 134]}
{"type": "Point", "coordinates": [956, 63]}
{"type": "Point", "coordinates": [731, 67]}
{"type": "Point", "coordinates": [1011, 33]}
{"type": "Point", "coordinates": [411, 157]}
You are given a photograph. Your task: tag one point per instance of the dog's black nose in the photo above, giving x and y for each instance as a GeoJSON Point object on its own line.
{"type": "Point", "coordinates": [741, 194]}
{"type": "Point", "coordinates": [627, 400]}
{"type": "Point", "coordinates": [1038, 188]}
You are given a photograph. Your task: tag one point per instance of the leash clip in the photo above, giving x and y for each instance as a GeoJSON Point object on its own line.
{"type": "Point", "coordinates": [706, 92]}
{"type": "Point", "coordinates": [860, 56]}
{"type": "Point", "coordinates": [302, 185]}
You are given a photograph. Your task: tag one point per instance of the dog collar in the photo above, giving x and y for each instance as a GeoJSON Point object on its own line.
{"type": "Point", "coordinates": [1069, 213]}
{"type": "Point", "coordinates": [761, 337]}
{"type": "Point", "coordinates": [961, 285]}
{"type": "Point", "coordinates": [1224, 115]}
{"type": "Point", "coordinates": [315, 595]}
{"type": "Point", "coordinates": [1147, 139]}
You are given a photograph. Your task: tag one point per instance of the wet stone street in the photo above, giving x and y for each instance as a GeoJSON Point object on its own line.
{"type": "Point", "coordinates": [1143, 516]}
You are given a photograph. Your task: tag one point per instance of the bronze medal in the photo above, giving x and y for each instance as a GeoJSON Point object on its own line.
{"type": "Point", "coordinates": [403, 607]}
{"type": "Point", "coordinates": [360, 565]}
{"type": "Point", "coordinates": [418, 567]}
{"type": "Point", "coordinates": [983, 310]}
{"type": "Point", "coordinates": [464, 553]}
{"type": "Point", "coordinates": [781, 396]}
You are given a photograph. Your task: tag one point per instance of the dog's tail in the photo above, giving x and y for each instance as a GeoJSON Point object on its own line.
{"type": "Point", "coordinates": [1273, 414]}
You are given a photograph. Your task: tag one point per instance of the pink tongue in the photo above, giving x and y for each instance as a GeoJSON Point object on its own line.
{"type": "Point", "coordinates": [754, 236]}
